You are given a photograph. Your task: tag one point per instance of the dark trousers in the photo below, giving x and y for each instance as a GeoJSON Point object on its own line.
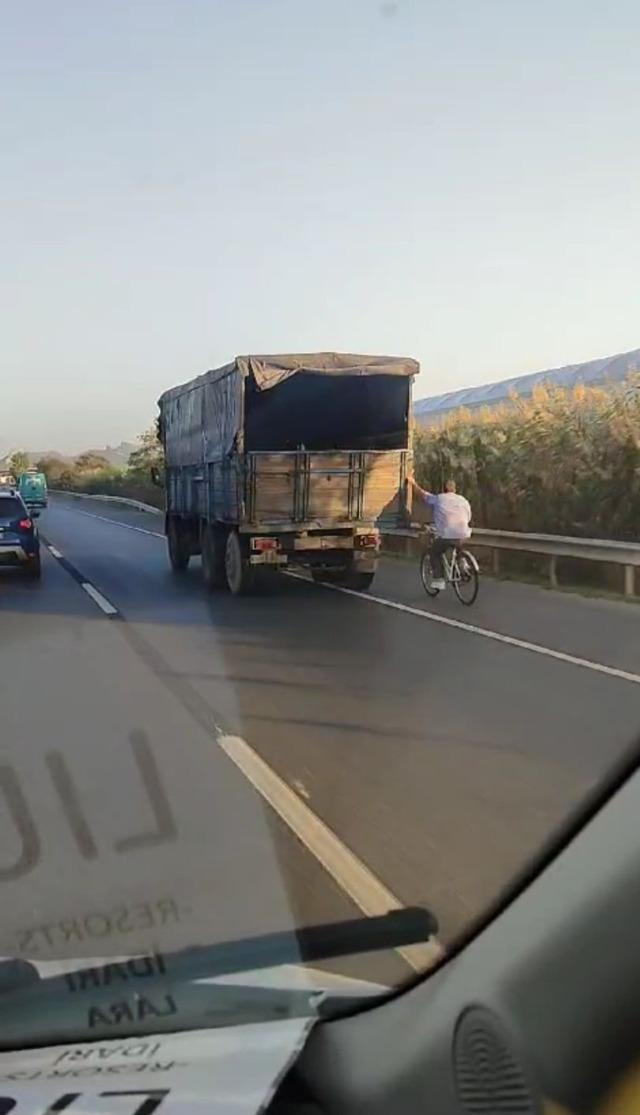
{"type": "Point", "coordinates": [439, 547]}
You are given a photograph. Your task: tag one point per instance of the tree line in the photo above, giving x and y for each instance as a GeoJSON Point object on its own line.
{"type": "Point", "coordinates": [91, 472]}
{"type": "Point", "coordinates": [560, 462]}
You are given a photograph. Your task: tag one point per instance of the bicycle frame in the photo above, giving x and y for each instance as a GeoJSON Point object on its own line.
{"type": "Point", "coordinates": [450, 566]}
{"type": "Point", "coordinates": [450, 563]}
{"type": "Point", "coordinates": [454, 573]}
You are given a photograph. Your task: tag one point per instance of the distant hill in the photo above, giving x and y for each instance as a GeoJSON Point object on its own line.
{"type": "Point", "coordinates": [116, 455]}
{"type": "Point", "coordinates": [604, 372]}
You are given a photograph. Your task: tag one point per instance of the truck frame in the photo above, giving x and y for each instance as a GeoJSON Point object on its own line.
{"type": "Point", "coordinates": [274, 461]}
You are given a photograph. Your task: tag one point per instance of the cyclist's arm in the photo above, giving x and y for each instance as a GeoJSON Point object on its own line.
{"type": "Point", "coordinates": [416, 488]}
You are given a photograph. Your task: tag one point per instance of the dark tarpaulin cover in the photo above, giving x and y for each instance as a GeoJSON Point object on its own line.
{"type": "Point", "coordinates": [202, 419]}
{"type": "Point", "coordinates": [268, 371]}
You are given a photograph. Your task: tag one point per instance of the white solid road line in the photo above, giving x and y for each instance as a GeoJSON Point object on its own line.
{"type": "Point", "coordinates": [114, 522]}
{"type": "Point", "coordinates": [99, 599]}
{"type": "Point", "coordinates": [54, 553]}
{"type": "Point", "coordinates": [349, 872]}
{"type": "Point", "coordinates": [460, 625]}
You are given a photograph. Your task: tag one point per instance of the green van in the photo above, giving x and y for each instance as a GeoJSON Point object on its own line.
{"type": "Point", "coordinates": [33, 489]}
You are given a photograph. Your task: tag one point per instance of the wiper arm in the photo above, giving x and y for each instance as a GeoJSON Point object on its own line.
{"type": "Point", "coordinates": [94, 1003]}
{"type": "Point", "coordinates": [408, 926]}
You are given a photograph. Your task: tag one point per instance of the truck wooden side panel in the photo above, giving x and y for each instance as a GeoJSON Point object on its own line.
{"type": "Point", "coordinates": [324, 488]}
{"type": "Point", "coordinates": [211, 491]}
{"type": "Point", "coordinates": [384, 487]}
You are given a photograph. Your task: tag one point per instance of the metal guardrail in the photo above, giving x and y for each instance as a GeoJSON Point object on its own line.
{"type": "Point", "coordinates": [626, 554]}
{"type": "Point", "coordinates": [135, 503]}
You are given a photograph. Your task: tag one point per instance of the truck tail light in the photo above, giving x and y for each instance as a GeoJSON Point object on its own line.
{"type": "Point", "coordinates": [366, 541]}
{"type": "Point", "coordinates": [263, 545]}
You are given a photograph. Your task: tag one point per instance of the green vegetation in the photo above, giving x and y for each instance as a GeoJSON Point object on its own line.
{"type": "Point", "coordinates": [561, 462]}
{"type": "Point", "coordinates": [19, 463]}
{"type": "Point", "coordinates": [91, 472]}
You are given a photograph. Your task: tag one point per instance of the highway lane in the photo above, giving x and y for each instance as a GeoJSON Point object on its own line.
{"type": "Point", "coordinates": [122, 828]}
{"type": "Point", "coordinates": [441, 758]}
{"type": "Point", "coordinates": [602, 629]}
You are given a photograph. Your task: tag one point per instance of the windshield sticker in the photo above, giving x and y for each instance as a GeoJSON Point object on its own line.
{"type": "Point", "coordinates": [126, 890]}
{"type": "Point", "coordinates": [178, 1074]}
{"type": "Point", "coordinates": [162, 827]}
{"type": "Point", "coordinates": [138, 967]}
{"type": "Point", "coordinates": [138, 1009]}
{"type": "Point", "coordinates": [98, 925]}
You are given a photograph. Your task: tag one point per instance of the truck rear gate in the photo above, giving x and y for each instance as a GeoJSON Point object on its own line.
{"type": "Point", "coordinates": [323, 489]}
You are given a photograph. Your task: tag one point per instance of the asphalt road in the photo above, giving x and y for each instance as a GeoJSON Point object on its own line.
{"type": "Point", "coordinates": [440, 756]}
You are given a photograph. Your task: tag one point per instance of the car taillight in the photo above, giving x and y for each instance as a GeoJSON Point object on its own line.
{"type": "Point", "coordinates": [25, 524]}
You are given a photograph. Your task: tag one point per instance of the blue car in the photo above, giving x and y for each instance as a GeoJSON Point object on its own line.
{"type": "Point", "coordinates": [19, 541]}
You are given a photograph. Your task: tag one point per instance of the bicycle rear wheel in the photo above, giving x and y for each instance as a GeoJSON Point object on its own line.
{"type": "Point", "coordinates": [467, 581]}
{"type": "Point", "coordinates": [426, 575]}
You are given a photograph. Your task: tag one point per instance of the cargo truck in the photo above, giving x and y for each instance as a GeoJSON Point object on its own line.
{"type": "Point", "coordinates": [280, 461]}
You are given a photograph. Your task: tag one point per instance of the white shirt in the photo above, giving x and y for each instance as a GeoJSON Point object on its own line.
{"type": "Point", "coordinates": [451, 514]}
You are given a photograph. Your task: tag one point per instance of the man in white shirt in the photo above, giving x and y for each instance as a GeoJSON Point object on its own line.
{"type": "Point", "coordinates": [451, 518]}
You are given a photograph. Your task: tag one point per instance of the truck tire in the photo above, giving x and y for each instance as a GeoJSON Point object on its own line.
{"type": "Point", "coordinates": [238, 572]}
{"type": "Point", "coordinates": [213, 568]}
{"type": "Point", "coordinates": [177, 544]}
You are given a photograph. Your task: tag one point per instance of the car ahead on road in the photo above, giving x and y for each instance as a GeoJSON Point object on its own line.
{"type": "Point", "coordinates": [19, 541]}
{"type": "Point", "coordinates": [33, 489]}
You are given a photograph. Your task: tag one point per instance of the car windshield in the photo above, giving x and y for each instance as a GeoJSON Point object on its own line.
{"type": "Point", "coordinates": [321, 390]}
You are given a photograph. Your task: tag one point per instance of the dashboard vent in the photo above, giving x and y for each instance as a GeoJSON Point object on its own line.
{"type": "Point", "coordinates": [490, 1077]}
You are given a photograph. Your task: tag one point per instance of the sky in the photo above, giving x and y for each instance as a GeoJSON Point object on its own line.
{"type": "Point", "coordinates": [187, 180]}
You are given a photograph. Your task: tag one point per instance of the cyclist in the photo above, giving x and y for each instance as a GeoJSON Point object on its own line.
{"type": "Point", "coordinates": [451, 518]}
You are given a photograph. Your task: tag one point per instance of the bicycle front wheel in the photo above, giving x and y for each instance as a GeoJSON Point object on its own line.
{"type": "Point", "coordinates": [466, 581]}
{"type": "Point", "coordinates": [426, 575]}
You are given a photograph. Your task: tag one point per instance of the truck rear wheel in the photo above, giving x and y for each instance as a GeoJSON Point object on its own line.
{"type": "Point", "coordinates": [238, 572]}
{"type": "Point", "coordinates": [213, 558]}
{"type": "Point", "coordinates": [178, 546]}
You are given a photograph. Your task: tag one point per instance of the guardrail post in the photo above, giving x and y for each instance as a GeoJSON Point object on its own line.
{"type": "Point", "coordinates": [553, 572]}
{"type": "Point", "coordinates": [629, 580]}
{"type": "Point", "coordinates": [496, 562]}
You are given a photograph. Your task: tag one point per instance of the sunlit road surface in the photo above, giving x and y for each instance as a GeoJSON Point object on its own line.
{"type": "Point", "coordinates": [180, 768]}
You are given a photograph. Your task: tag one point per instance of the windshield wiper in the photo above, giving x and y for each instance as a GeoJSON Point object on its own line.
{"type": "Point", "coordinates": [161, 993]}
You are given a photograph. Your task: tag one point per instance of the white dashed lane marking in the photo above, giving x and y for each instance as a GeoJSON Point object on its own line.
{"type": "Point", "coordinates": [105, 605]}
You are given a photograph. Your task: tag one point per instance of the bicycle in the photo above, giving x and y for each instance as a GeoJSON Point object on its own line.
{"type": "Point", "coordinates": [460, 570]}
